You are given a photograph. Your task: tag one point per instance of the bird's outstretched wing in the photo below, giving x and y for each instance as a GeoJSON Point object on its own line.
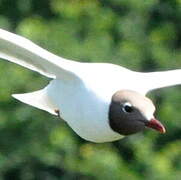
{"type": "Point", "coordinates": [22, 51]}
{"type": "Point", "coordinates": [156, 80]}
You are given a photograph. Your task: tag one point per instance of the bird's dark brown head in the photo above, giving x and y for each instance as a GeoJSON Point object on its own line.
{"type": "Point", "coordinates": [130, 112]}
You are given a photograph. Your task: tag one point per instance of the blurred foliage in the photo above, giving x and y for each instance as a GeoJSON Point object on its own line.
{"type": "Point", "coordinates": [141, 35]}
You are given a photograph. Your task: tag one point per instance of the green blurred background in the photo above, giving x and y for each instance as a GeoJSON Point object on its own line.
{"type": "Point", "coordinates": [141, 35]}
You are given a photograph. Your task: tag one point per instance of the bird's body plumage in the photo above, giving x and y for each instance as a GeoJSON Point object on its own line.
{"type": "Point", "coordinates": [82, 92]}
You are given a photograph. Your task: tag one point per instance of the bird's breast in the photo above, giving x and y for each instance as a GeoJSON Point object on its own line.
{"type": "Point", "coordinates": [84, 111]}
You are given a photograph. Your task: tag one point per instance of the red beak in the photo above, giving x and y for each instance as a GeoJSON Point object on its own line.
{"type": "Point", "coordinates": [155, 124]}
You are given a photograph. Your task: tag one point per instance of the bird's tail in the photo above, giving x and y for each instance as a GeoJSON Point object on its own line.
{"type": "Point", "coordinates": [155, 80]}
{"type": "Point", "coordinates": [38, 99]}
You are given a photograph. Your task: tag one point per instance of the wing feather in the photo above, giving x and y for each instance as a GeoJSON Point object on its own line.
{"type": "Point", "coordinates": [22, 51]}
{"type": "Point", "coordinates": [156, 80]}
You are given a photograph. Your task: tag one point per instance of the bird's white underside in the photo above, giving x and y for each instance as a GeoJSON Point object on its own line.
{"type": "Point", "coordinates": [81, 91]}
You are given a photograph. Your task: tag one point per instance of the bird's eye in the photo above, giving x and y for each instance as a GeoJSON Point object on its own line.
{"type": "Point", "coordinates": [127, 108]}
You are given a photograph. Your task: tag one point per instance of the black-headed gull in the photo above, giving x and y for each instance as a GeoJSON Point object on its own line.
{"type": "Point", "coordinates": [101, 102]}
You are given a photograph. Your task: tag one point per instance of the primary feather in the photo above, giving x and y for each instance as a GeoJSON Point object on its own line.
{"type": "Point", "coordinates": [156, 80]}
{"type": "Point", "coordinates": [22, 51]}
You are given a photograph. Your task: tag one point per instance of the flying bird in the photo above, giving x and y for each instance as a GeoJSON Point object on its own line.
{"type": "Point", "coordinates": [101, 102]}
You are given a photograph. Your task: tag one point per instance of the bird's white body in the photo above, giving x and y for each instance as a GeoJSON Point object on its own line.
{"type": "Point", "coordinates": [82, 92]}
{"type": "Point", "coordinates": [83, 110]}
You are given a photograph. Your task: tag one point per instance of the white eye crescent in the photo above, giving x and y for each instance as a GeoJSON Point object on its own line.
{"type": "Point", "coordinates": [127, 107]}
